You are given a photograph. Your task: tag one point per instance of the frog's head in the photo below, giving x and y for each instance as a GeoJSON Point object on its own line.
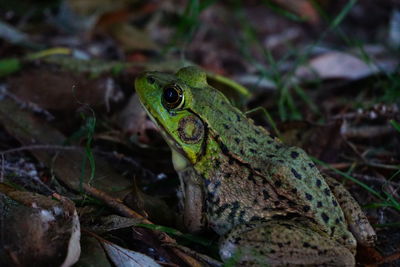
{"type": "Point", "coordinates": [168, 100]}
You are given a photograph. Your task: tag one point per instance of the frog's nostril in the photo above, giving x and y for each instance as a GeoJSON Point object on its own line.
{"type": "Point", "coordinates": [150, 79]}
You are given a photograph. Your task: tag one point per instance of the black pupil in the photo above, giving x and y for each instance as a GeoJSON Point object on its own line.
{"type": "Point", "coordinates": [171, 95]}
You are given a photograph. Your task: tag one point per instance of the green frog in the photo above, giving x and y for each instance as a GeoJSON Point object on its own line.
{"type": "Point", "coordinates": [267, 201]}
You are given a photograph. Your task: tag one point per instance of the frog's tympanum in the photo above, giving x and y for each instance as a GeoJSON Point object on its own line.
{"type": "Point", "coordinates": [268, 201]}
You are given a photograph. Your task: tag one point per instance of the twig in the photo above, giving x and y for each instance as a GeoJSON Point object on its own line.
{"type": "Point", "coordinates": [40, 147]}
{"type": "Point", "coordinates": [126, 211]}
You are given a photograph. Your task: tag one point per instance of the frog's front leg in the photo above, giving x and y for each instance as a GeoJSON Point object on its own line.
{"type": "Point", "coordinates": [193, 199]}
{"type": "Point", "coordinates": [282, 243]}
{"type": "Point", "coordinates": [355, 217]}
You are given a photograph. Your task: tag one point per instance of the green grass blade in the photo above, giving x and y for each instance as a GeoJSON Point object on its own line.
{"type": "Point", "coordinates": [172, 231]}
{"type": "Point", "coordinates": [343, 13]}
{"type": "Point", "coordinates": [395, 125]}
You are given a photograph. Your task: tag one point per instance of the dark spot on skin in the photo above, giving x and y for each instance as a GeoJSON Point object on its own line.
{"type": "Point", "coordinates": [209, 209]}
{"type": "Point", "coordinates": [306, 245]}
{"type": "Point", "coordinates": [325, 217]}
{"type": "Point", "coordinates": [294, 190]}
{"type": "Point", "coordinates": [276, 203]}
{"type": "Point", "coordinates": [226, 126]}
{"type": "Point", "coordinates": [281, 198]}
{"type": "Point", "coordinates": [255, 218]}
{"type": "Point", "coordinates": [252, 140]}
{"type": "Point", "coordinates": [311, 165]}
{"type": "Point", "coordinates": [278, 183]}
{"type": "Point", "coordinates": [221, 209]}
{"type": "Point", "coordinates": [217, 163]}
{"type": "Point", "coordinates": [227, 175]}
{"type": "Point", "coordinates": [253, 151]}
{"type": "Point", "coordinates": [150, 80]}
{"type": "Point", "coordinates": [241, 215]}
{"type": "Point", "coordinates": [333, 230]}
{"type": "Point", "coordinates": [266, 194]}
{"type": "Point", "coordinates": [319, 204]}
{"type": "Point", "coordinates": [309, 197]}
{"type": "Point", "coordinates": [210, 197]}
{"type": "Point", "coordinates": [237, 240]}
{"type": "Point", "coordinates": [334, 203]}
{"type": "Point", "coordinates": [318, 182]}
{"type": "Point", "coordinates": [322, 252]}
{"type": "Point", "coordinates": [306, 208]}
{"type": "Point", "coordinates": [327, 191]}
{"type": "Point", "coordinates": [237, 140]}
{"type": "Point", "coordinates": [278, 146]}
{"type": "Point", "coordinates": [224, 149]}
{"type": "Point", "coordinates": [295, 173]}
{"type": "Point", "coordinates": [238, 117]}
{"type": "Point", "coordinates": [235, 206]}
{"type": "Point", "coordinates": [294, 154]}
{"type": "Point", "coordinates": [251, 178]}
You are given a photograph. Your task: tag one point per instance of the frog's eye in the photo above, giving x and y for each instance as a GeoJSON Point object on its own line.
{"type": "Point", "coordinates": [172, 97]}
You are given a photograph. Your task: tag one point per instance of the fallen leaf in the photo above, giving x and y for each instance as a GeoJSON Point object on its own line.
{"type": "Point", "coordinates": [122, 257]}
{"type": "Point", "coordinates": [38, 229]}
{"type": "Point", "coordinates": [339, 65]}
{"type": "Point", "coordinates": [60, 90]}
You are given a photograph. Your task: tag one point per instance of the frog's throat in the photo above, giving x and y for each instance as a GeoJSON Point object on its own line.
{"type": "Point", "coordinates": [179, 161]}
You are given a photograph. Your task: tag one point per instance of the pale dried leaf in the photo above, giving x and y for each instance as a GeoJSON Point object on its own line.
{"type": "Point", "coordinates": [336, 65]}
{"type": "Point", "coordinates": [122, 257]}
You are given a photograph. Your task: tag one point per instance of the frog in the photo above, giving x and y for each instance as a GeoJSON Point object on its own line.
{"type": "Point", "coordinates": [268, 202]}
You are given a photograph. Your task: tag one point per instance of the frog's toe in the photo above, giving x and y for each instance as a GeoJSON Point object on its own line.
{"type": "Point", "coordinates": [281, 243]}
{"type": "Point", "coordinates": [355, 217]}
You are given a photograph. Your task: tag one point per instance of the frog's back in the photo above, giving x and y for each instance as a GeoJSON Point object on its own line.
{"type": "Point", "coordinates": [286, 172]}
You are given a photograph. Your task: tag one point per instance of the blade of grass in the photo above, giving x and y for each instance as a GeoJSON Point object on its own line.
{"type": "Point", "coordinates": [387, 201]}
{"type": "Point", "coordinates": [343, 13]}
{"type": "Point", "coordinates": [395, 125]}
{"type": "Point", "coordinates": [196, 239]}
{"type": "Point", "coordinates": [283, 12]}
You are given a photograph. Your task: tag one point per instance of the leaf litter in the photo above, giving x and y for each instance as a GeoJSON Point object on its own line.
{"type": "Point", "coordinates": [326, 72]}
